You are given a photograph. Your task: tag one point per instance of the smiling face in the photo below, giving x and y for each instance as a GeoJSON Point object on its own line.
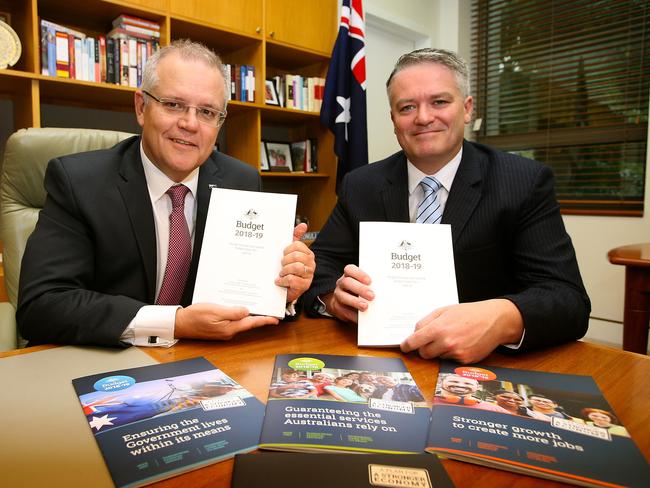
{"type": "Point", "coordinates": [429, 114]}
{"type": "Point", "coordinates": [344, 382]}
{"type": "Point", "coordinates": [290, 376]}
{"type": "Point", "coordinates": [600, 419]}
{"type": "Point", "coordinates": [510, 401]}
{"type": "Point", "coordinates": [179, 144]}
{"type": "Point", "coordinates": [542, 404]}
{"type": "Point", "coordinates": [458, 385]}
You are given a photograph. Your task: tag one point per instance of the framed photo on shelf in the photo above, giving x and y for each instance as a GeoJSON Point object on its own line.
{"type": "Point", "coordinates": [270, 93]}
{"type": "Point", "coordinates": [279, 156]}
{"type": "Point", "coordinates": [299, 155]}
{"type": "Point", "coordinates": [264, 166]}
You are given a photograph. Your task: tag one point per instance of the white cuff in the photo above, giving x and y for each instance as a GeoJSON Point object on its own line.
{"type": "Point", "coordinates": [321, 308]}
{"type": "Point", "coordinates": [290, 309]}
{"type": "Point", "coordinates": [152, 326]}
{"type": "Point", "coordinates": [518, 345]}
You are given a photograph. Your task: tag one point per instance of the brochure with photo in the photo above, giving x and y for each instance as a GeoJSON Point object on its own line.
{"type": "Point", "coordinates": [550, 425]}
{"type": "Point", "coordinates": [158, 421]}
{"type": "Point", "coordinates": [321, 402]}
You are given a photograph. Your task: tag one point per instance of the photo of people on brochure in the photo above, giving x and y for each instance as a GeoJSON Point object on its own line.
{"type": "Point", "coordinates": [148, 399]}
{"type": "Point", "coordinates": [525, 400]}
{"type": "Point", "coordinates": [344, 386]}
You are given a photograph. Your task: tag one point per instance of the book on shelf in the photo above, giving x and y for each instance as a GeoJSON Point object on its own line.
{"type": "Point", "coordinates": [299, 156]}
{"type": "Point", "coordinates": [158, 421]}
{"type": "Point", "coordinates": [299, 92]}
{"type": "Point", "coordinates": [550, 425]}
{"type": "Point", "coordinates": [122, 33]}
{"type": "Point", "coordinates": [62, 55]}
{"type": "Point", "coordinates": [250, 83]}
{"type": "Point", "coordinates": [325, 470]}
{"type": "Point", "coordinates": [137, 31]}
{"type": "Point", "coordinates": [124, 19]}
{"type": "Point", "coordinates": [117, 57]}
{"type": "Point", "coordinates": [321, 402]}
{"type": "Point", "coordinates": [303, 156]}
{"type": "Point", "coordinates": [242, 82]}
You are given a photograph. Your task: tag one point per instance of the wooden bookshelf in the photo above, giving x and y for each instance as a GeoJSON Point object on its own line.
{"type": "Point", "coordinates": [275, 36]}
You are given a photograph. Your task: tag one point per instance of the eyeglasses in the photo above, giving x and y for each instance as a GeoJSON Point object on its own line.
{"type": "Point", "coordinates": [205, 115]}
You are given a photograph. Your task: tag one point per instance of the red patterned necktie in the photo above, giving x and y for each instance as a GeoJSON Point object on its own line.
{"type": "Point", "coordinates": [180, 250]}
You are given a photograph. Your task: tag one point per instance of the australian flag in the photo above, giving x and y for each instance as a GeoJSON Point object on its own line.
{"type": "Point", "coordinates": [344, 100]}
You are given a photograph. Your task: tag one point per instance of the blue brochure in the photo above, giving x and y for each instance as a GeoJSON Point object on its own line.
{"type": "Point", "coordinates": [158, 421]}
{"type": "Point", "coordinates": [344, 403]}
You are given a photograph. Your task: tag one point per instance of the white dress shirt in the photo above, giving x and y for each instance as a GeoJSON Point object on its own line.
{"type": "Point", "coordinates": [153, 325]}
{"type": "Point", "coordinates": [445, 177]}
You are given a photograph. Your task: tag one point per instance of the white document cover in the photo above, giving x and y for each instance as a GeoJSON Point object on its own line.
{"type": "Point", "coordinates": [412, 271]}
{"type": "Point", "coordinates": [245, 236]}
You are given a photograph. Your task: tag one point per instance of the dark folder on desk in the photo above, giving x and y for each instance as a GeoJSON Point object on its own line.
{"type": "Point", "coordinates": [325, 470]}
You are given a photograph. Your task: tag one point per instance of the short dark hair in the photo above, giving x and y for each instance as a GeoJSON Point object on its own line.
{"type": "Point", "coordinates": [437, 56]}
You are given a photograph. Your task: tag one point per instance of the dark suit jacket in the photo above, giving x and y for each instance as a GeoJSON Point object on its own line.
{"type": "Point", "coordinates": [90, 264]}
{"type": "Point", "coordinates": [508, 237]}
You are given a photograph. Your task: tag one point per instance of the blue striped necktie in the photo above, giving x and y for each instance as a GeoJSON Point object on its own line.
{"type": "Point", "coordinates": [429, 211]}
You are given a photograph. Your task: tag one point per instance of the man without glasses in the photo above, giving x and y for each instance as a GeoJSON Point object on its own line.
{"type": "Point", "coordinates": [517, 276]}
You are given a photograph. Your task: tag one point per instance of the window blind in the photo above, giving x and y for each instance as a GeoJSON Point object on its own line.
{"type": "Point", "coordinates": [567, 82]}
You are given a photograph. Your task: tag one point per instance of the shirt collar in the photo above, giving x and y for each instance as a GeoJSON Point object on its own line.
{"type": "Point", "coordinates": [445, 175]}
{"type": "Point", "coordinates": [158, 182]}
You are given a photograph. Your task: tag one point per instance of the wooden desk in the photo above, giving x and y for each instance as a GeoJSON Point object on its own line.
{"type": "Point", "coordinates": [636, 259]}
{"type": "Point", "coordinates": [623, 377]}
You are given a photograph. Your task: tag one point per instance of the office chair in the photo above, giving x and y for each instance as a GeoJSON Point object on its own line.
{"type": "Point", "coordinates": [22, 195]}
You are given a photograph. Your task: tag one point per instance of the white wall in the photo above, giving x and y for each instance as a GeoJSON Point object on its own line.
{"type": "Point", "coordinates": [446, 24]}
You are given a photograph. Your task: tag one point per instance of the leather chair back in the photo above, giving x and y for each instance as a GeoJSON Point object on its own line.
{"type": "Point", "coordinates": [22, 194]}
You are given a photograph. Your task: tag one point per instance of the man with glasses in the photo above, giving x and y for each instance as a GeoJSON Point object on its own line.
{"type": "Point", "coordinates": [113, 258]}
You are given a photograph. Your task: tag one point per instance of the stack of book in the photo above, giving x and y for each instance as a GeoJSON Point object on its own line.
{"type": "Point", "coordinates": [299, 92]}
{"type": "Point", "coordinates": [117, 57]}
{"type": "Point", "coordinates": [242, 82]}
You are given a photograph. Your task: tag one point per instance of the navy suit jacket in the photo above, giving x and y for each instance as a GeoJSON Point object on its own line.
{"type": "Point", "coordinates": [90, 263]}
{"type": "Point", "coordinates": [508, 237]}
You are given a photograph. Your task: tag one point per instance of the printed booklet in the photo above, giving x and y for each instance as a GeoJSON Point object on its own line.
{"type": "Point", "coordinates": [344, 403]}
{"type": "Point", "coordinates": [550, 425]}
{"type": "Point", "coordinates": [159, 421]}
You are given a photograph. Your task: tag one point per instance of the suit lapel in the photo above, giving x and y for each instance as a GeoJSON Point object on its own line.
{"type": "Point", "coordinates": [208, 176]}
{"type": "Point", "coordinates": [465, 190]}
{"type": "Point", "coordinates": [394, 194]}
{"type": "Point", "coordinates": [133, 188]}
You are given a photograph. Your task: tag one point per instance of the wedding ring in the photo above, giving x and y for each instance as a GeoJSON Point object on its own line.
{"type": "Point", "coordinates": [305, 272]}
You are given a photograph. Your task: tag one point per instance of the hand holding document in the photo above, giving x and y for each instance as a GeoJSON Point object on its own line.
{"type": "Point", "coordinates": [245, 235]}
{"type": "Point", "coordinates": [412, 272]}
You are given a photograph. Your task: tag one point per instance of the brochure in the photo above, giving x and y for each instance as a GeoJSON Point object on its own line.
{"type": "Point", "coordinates": [159, 421]}
{"type": "Point", "coordinates": [344, 403]}
{"type": "Point", "coordinates": [550, 425]}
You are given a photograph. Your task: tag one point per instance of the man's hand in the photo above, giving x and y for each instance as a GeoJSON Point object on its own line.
{"type": "Point", "coordinates": [298, 266]}
{"type": "Point", "coordinates": [216, 322]}
{"type": "Point", "coordinates": [352, 293]}
{"type": "Point", "coordinates": [467, 332]}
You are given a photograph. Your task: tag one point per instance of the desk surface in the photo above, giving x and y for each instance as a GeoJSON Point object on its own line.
{"type": "Point", "coordinates": [632, 255]}
{"type": "Point", "coordinates": [623, 377]}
